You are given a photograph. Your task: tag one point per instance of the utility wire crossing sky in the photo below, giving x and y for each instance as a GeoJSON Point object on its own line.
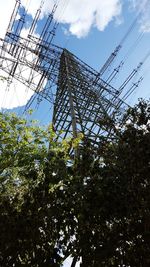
{"type": "Point", "coordinates": [79, 18]}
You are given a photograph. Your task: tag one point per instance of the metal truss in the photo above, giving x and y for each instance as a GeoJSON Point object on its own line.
{"type": "Point", "coordinates": [81, 104]}
{"type": "Point", "coordinates": [31, 62]}
{"type": "Point", "coordinates": [82, 98]}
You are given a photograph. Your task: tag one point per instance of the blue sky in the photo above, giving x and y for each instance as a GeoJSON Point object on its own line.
{"type": "Point", "coordinates": [96, 47]}
{"type": "Point", "coordinates": [91, 30]}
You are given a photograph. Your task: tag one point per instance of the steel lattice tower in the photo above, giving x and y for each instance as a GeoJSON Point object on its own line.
{"type": "Point", "coordinates": [82, 99]}
{"type": "Point", "coordinates": [81, 104]}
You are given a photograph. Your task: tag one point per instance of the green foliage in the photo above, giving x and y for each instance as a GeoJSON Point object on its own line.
{"type": "Point", "coordinates": [96, 207]}
{"type": "Point", "coordinates": [2, 78]}
{"type": "Point", "coordinates": [30, 173]}
{"type": "Point", "coordinates": [113, 223]}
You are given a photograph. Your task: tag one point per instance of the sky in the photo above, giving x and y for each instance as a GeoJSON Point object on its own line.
{"type": "Point", "coordinates": [91, 30]}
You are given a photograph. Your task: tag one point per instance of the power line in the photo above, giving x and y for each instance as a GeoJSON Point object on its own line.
{"type": "Point", "coordinates": [113, 55]}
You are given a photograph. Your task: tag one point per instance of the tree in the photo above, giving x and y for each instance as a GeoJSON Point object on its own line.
{"type": "Point", "coordinates": [30, 173]}
{"type": "Point", "coordinates": [95, 207]}
{"type": "Point", "coordinates": [113, 203]}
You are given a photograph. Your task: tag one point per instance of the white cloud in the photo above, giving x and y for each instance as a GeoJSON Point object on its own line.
{"type": "Point", "coordinates": [142, 6]}
{"type": "Point", "coordinates": [5, 14]}
{"type": "Point", "coordinates": [82, 15]}
{"type": "Point", "coordinates": [14, 93]}
{"type": "Point", "coordinates": [14, 96]}
{"type": "Point", "coordinates": [79, 15]}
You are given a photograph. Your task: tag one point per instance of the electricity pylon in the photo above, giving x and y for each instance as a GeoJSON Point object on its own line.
{"type": "Point", "coordinates": [82, 98]}
{"type": "Point", "coordinates": [81, 104]}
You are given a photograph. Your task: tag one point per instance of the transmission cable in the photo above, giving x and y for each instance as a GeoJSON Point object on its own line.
{"type": "Point", "coordinates": [131, 28]}
{"type": "Point", "coordinates": [133, 46]}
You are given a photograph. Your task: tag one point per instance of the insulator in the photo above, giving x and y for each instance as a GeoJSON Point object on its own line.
{"type": "Point", "coordinates": [130, 77]}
